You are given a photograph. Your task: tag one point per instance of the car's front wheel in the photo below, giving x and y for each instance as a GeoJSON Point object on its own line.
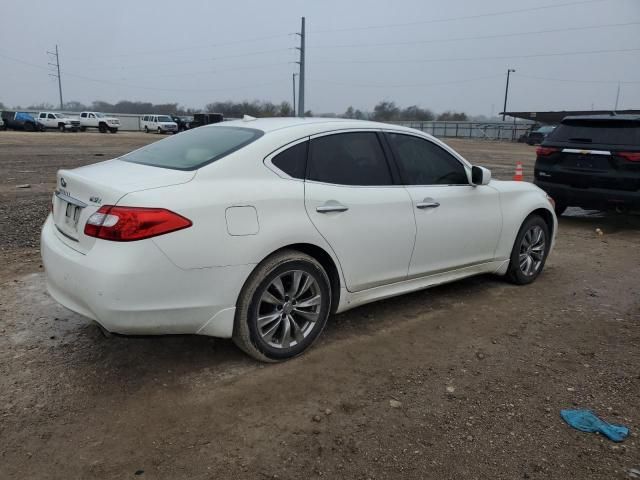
{"type": "Point", "coordinates": [283, 307]}
{"type": "Point", "coordinates": [530, 251]}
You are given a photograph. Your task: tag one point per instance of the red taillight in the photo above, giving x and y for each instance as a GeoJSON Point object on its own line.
{"type": "Point", "coordinates": [631, 156]}
{"type": "Point", "coordinates": [126, 224]}
{"type": "Point", "coordinates": [546, 151]}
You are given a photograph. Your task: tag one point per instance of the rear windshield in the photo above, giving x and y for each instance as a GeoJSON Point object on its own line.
{"type": "Point", "coordinates": [604, 132]}
{"type": "Point", "coordinates": [194, 148]}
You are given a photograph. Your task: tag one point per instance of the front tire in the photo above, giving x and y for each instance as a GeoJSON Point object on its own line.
{"type": "Point", "coordinates": [530, 251]}
{"type": "Point", "coordinates": [146, 129]}
{"type": "Point", "coordinates": [113, 130]}
{"type": "Point", "coordinates": [61, 128]}
{"type": "Point", "coordinates": [159, 131]}
{"type": "Point", "coordinates": [283, 307]}
{"type": "Point", "coordinates": [102, 128]}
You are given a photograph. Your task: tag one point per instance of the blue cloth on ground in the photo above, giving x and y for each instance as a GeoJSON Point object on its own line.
{"type": "Point", "coordinates": [587, 421]}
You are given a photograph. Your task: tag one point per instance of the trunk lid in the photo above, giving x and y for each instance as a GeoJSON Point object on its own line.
{"type": "Point", "coordinates": [82, 191]}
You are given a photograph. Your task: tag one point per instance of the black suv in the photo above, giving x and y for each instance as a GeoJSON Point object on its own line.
{"type": "Point", "coordinates": [591, 162]}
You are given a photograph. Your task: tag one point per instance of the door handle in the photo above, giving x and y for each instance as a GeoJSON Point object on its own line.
{"type": "Point", "coordinates": [427, 203]}
{"type": "Point", "coordinates": [331, 207]}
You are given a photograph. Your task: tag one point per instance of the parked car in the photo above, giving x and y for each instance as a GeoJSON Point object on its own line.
{"type": "Point", "coordinates": [200, 119]}
{"type": "Point", "coordinates": [537, 136]}
{"type": "Point", "coordinates": [183, 122]}
{"type": "Point", "coordinates": [158, 124]}
{"type": "Point", "coordinates": [21, 121]}
{"type": "Point", "coordinates": [100, 121]}
{"type": "Point", "coordinates": [260, 229]}
{"type": "Point", "coordinates": [2, 125]}
{"type": "Point", "coordinates": [592, 162]}
{"type": "Point", "coordinates": [59, 121]}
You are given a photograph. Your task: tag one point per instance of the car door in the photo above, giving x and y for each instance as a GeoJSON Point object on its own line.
{"type": "Point", "coordinates": [52, 121]}
{"type": "Point", "coordinates": [353, 201]}
{"type": "Point", "coordinates": [458, 224]}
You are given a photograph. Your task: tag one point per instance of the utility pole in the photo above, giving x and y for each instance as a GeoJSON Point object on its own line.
{"type": "Point", "coordinates": [506, 93]}
{"type": "Point", "coordinates": [615, 109]}
{"type": "Point", "coordinates": [294, 93]}
{"type": "Point", "coordinates": [57, 65]}
{"type": "Point", "coordinates": [301, 77]}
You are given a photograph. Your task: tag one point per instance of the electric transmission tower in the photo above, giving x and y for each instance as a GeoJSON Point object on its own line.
{"type": "Point", "coordinates": [57, 74]}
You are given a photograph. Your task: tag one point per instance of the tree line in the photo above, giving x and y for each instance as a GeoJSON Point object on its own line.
{"type": "Point", "coordinates": [383, 111]}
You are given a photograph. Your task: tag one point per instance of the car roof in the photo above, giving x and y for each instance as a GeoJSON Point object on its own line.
{"type": "Point", "coordinates": [612, 117]}
{"type": "Point", "coordinates": [280, 123]}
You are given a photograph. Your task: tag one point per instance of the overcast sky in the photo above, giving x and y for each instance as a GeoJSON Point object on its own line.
{"type": "Point", "coordinates": [359, 52]}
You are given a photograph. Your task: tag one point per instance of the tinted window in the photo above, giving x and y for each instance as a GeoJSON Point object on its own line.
{"type": "Point", "coordinates": [83, 115]}
{"type": "Point", "coordinates": [349, 159]}
{"type": "Point", "coordinates": [616, 132]}
{"type": "Point", "coordinates": [43, 115]}
{"type": "Point", "coordinates": [293, 161]}
{"type": "Point", "coordinates": [194, 148]}
{"type": "Point", "coordinates": [51, 116]}
{"type": "Point", "coordinates": [425, 163]}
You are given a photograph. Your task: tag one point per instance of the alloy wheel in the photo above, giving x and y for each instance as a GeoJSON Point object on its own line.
{"type": "Point", "coordinates": [532, 250]}
{"type": "Point", "coordinates": [288, 309]}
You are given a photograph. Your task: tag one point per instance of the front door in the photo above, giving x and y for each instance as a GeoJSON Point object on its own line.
{"type": "Point", "coordinates": [458, 224]}
{"type": "Point", "coordinates": [352, 200]}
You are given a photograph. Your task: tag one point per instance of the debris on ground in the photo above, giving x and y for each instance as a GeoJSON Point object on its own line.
{"type": "Point", "coordinates": [587, 421]}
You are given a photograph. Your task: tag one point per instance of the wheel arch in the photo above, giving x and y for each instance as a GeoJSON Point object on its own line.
{"type": "Point", "coordinates": [547, 216]}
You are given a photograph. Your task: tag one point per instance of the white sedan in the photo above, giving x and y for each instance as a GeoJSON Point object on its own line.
{"type": "Point", "coordinates": [258, 230]}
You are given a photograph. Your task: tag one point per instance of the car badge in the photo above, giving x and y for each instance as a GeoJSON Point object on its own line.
{"type": "Point", "coordinates": [63, 182]}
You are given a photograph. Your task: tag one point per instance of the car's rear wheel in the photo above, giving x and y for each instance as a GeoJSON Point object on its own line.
{"type": "Point", "coordinates": [159, 131]}
{"type": "Point", "coordinates": [530, 251]}
{"type": "Point", "coordinates": [146, 129]}
{"type": "Point", "coordinates": [283, 307]}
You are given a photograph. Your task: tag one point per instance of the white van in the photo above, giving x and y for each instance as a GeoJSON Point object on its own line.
{"type": "Point", "coordinates": [158, 124]}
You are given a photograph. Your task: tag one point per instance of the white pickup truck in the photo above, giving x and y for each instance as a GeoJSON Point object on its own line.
{"type": "Point", "coordinates": [59, 121]}
{"type": "Point", "coordinates": [100, 121]}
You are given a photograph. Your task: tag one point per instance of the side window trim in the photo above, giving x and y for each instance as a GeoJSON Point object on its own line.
{"type": "Point", "coordinates": [269, 164]}
{"type": "Point", "coordinates": [404, 180]}
{"type": "Point", "coordinates": [396, 180]}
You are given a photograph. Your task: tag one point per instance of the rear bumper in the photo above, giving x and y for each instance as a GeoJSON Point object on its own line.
{"type": "Point", "coordinates": [598, 198]}
{"type": "Point", "coordinates": [133, 288]}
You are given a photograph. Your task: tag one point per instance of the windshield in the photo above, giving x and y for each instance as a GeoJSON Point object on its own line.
{"type": "Point", "coordinates": [164, 118]}
{"type": "Point", "coordinates": [617, 132]}
{"type": "Point", "coordinates": [195, 148]}
{"type": "Point", "coordinates": [99, 115]}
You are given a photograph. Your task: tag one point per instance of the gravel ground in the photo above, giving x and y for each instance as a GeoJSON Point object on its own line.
{"type": "Point", "coordinates": [461, 381]}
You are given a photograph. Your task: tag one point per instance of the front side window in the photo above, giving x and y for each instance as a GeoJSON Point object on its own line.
{"type": "Point", "coordinates": [164, 118]}
{"type": "Point", "coordinates": [195, 148]}
{"type": "Point", "coordinates": [293, 161]}
{"type": "Point", "coordinates": [83, 115]}
{"type": "Point", "coordinates": [349, 159]}
{"type": "Point", "coordinates": [51, 115]}
{"type": "Point", "coordinates": [424, 163]}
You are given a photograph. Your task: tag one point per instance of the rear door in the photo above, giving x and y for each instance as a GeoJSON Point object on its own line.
{"type": "Point", "coordinates": [353, 201]}
{"type": "Point", "coordinates": [458, 224]}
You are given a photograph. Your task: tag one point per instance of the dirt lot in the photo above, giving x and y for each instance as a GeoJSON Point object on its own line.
{"type": "Point", "coordinates": [481, 368]}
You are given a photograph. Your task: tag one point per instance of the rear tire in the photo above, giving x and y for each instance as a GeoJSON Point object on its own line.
{"type": "Point", "coordinates": [283, 307]}
{"type": "Point", "coordinates": [28, 127]}
{"type": "Point", "coordinates": [560, 208]}
{"type": "Point", "coordinates": [530, 251]}
{"type": "Point", "coordinates": [159, 131]}
{"type": "Point", "coordinates": [146, 129]}
{"type": "Point", "coordinates": [83, 129]}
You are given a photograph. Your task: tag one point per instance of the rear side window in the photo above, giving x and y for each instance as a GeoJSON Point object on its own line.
{"type": "Point", "coordinates": [616, 132]}
{"type": "Point", "coordinates": [349, 159]}
{"type": "Point", "coordinates": [425, 163]}
{"type": "Point", "coordinates": [195, 148]}
{"type": "Point", "coordinates": [293, 161]}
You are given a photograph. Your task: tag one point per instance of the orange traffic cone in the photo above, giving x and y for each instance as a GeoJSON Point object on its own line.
{"type": "Point", "coordinates": [518, 177]}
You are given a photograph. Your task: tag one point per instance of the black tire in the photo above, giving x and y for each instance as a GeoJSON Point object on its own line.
{"type": "Point", "coordinates": [102, 128]}
{"type": "Point", "coordinates": [113, 130]}
{"type": "Point", "coordinates": [146, 129]}
{"type": "Point", "coordinates": [516, 274]}
{"type": "Point", "coordinates": [28, 127]}
{"type": "Point", "coordinates": [61, 127]}
{"type": "Point", "coordinates": [246, 333]}
{"type": "Point", "coordinates": [560, 208]}
{"type": "Point", "coordinates": [83, 129]}
{"type": "Point", "coordinates": [159, 132]}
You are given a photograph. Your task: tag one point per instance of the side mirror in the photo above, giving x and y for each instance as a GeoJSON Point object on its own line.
{"type": "Point", "coordinates": [480, 175]}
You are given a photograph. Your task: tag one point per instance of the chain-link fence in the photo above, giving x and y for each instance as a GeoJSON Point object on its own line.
{"type": "Point", "coordinates": [506, 131]}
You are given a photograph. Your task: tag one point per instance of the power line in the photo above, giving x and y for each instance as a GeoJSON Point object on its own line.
{"type": "Point", "coordinates": [407, 85]}
{"type": "Point", "coordinates": [475, 37]}
{"type": "Point", "coordinates": [464, 17]}
{"type": "Point", "coordinates": [468, 59]}
{"type": "Point", "coordinates": [578, 80]}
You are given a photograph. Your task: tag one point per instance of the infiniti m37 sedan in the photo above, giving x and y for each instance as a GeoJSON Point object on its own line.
{"type": "Point", "coordinates": [259, 229]}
